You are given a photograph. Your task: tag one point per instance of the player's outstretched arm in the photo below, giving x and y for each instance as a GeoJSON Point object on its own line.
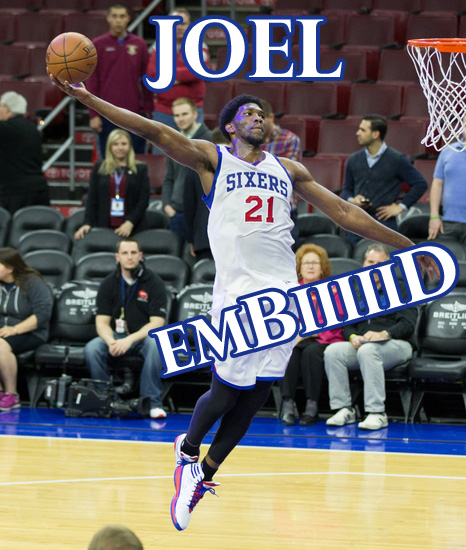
{"type": "Point", "coordinates": [192, 153]}
{"type": "Point", "coordinates": [348, 216]}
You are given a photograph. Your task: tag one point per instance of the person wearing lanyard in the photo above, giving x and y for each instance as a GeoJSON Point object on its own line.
{"type": "Point", "coordinates": [118, 189]}
{"type": "Point", "coordinates": [131, 301]}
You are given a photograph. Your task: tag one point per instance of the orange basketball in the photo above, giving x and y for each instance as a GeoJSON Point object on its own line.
{"type": "Point", "coordinates": [71, 56]}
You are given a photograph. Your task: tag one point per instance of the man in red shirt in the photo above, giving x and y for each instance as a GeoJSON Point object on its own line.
{"type": "Point", "coordinates": [118, 76]}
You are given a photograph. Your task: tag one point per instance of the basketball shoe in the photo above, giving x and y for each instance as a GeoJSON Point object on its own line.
{"type": "Point", "coordinates": [190, 487]}
{"type": "Point", "coordinates": [182, 458]}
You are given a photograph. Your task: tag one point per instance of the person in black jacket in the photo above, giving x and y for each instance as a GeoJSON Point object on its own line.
{"type": "Point", "coordinates": [185, 115]}
{"type": "Point", "coordinates": [22, 182]}
{"type": "Point", "coordinates": [375, 174]}
{"type": "Point", "coordinates": [372, 345]}
{"type": "Point", "coordinates": [25, 310]}
{"type": "Point", "coordinates": [131, 301]}
{"type": "Point", "coordinates": [196, 212]}
{"type": "Point", "coordinates": [118, 189]}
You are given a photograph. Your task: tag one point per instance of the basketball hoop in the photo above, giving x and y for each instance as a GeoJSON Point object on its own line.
{"type": "Point", "coordinates": [441, 66]}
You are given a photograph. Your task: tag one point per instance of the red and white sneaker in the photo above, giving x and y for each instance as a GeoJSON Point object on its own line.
{"type": "Point", "coordinates": [189, 489]}
{"type": "Point", "coordinates": [9, 401]}
{"type": "Point", "coordinates": [180, 457]}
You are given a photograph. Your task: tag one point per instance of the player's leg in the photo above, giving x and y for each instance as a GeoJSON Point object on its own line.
{"type": "Point", "coordinates": [218, 400]}
{"type": "Point", "coordinates": [235, 423]}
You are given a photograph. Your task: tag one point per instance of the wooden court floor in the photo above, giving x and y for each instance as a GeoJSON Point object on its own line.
{"type": "Point", "coordinates": [56, 492]}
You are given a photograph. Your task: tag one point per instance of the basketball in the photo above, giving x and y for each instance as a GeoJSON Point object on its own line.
{"type": "Point", "coordinates": [71, 56]}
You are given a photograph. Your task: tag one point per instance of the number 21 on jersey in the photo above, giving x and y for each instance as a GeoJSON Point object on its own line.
{"type": "Point", "coordinates": [258, 210]}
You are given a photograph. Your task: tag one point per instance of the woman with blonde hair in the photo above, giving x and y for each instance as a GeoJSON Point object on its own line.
{"type": "Point", "coordinates": [118, 189]}
{"type": "Point", "coordinates": [307, 359]}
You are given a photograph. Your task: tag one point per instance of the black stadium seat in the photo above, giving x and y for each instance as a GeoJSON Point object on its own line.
{"type": "Point", "coordinates": [440, 363]}
{"type": "Point", "coordinates": [98, 239]}
{"type": "Point", "coordinates": [172, 270]}
{"type": "Point", "coordinates": [95, 267]}
{"type": "Point", "coordinates": [55, 266]}
{"type": "Point", "coordinates": [44, 239]}
{"type": "Point", "coordinates": [72, 326]}
{"type": "Point", "coordinates": [31, 218]}
{"type": "Point", "coordinates": [203, 272]}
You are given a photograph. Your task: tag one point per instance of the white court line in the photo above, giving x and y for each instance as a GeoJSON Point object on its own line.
{"type": "Point", "coordinates": [263, 474]}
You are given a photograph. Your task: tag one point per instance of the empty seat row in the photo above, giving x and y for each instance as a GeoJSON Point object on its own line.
{"type": "Point", "coordinates": [18, 230]}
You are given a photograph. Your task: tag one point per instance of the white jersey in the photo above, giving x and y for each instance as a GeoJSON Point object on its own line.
{"type": "Point", "coordinates": [250, 227]}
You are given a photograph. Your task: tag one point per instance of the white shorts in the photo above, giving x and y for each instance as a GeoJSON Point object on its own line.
{"type": "Point", "coordinates": [267, 364]}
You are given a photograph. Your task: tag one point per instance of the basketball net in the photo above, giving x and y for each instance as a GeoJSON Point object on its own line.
{"type": "Point", "coordinates": [441, 67]}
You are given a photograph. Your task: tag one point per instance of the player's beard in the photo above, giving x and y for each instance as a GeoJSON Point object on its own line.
{"type": "Point", "coordinates": [255, 141]}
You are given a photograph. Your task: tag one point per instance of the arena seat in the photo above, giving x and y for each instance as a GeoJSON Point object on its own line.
{"type": "Point", "coordinates": [55, 266]}
{"type": "Point", "coordinates": [398, 5]}
{"type": "Point", "coordinates": [15, 61]}
{"type": "Point", "coordinates": [335, 245]}
{"type": "Point", "coordinates": [455, 6]}
{"type": "Point", "coordinates": [326, 171]}
{"type": "Point", "coordinates": [337, 137]}
{"type": "Point", "coordinates": [440, 363]}
{"type": "Point", "coordinates": [31, 218]}
{"type": "Point", "coordinates": [160, 241]}
{"type": "Point", "coordinates": [98, 239]}
{"type": "Point", "coordinates": [44, 239]}
{"type": "Point", "coordinates": [381, 98]}
{"type": "Point", "coordinates": [396, 66]}
{"type": "Point", "coordinates": [414, 104]}
{"type": "Point", "coordinates": [203, 272]}
{"type": "Point", "coordinates": [316, 99]}
{"type": "Point", "coordinates": [74, 221]}
{"type": "Point", "coordinates": [71, 327]}
{"type": "Point", "coordinates": [89, 24]}
{"type": "Point", "coordinates": [157, 166]}
{"type": "Point", "coordinates": [172, 270]}
{"type": "Point", "coordinates": [406, 136]}
{"type": "Point", "coordinates": [39, 27]}
{"type": "Point", "coordinates": [370, 30]}
{"type": "Point", "coordinates": [95, 266]}
{"type": "Point", "coordinates": [343, 265]}
{"type": "Point", "coordinates": [432, 25]}
{"type": "Point", "coordinates": [312, 224]}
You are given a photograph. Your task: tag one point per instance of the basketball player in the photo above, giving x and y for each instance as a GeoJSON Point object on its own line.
{"type": "Point", "coordinates": [248, 191]}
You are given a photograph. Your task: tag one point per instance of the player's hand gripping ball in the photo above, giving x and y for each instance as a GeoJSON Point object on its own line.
{"type": "Point", "coordinates": [71, 57]}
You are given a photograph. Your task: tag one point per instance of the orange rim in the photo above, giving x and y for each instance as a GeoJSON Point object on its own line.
{"type": "Point", "coordinates": [453, 45]}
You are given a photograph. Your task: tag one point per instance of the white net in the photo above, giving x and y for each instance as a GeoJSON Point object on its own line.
{"type": "Point", "coordinates": [442, 75]}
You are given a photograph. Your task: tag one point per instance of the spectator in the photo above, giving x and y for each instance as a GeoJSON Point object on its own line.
{"type": "Point", "coordinates": [22, 182]}
{"type": "Point", "coordinates": [278, 141]}
{"type": "Point", "coordinates": [118, 189]}
{"type": "Point", "coordinates": [185, 114]}
{"type": "Point", "coordinates": [448, 189]}
{"type": "Point", "coordinates": [115, 537]}
{"type": "Point", "coordinates": [122, 61]}
{"type": "Point", "coordinates": [374, 345]}
{"type": "Point", "coordinates": [307, 359]}
{"type": "Point", "coordinates": [25, 310]}
{"type": "Point", "coordinates": [195, 210]}
{"type": "Point", "coordinates": [131, 301]}
{"type": "Point", "coordinates": [282, 143]}
{"type": "Point", "coordinates": [186, 84]}
{"type": "Point", "coordinates": [374, 176]}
